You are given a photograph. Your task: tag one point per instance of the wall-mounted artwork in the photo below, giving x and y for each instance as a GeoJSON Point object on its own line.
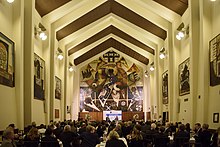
{"type": "Point", "coordinates": [57, 88]}
{"type": "Point", "coordinates": [7, 61]}
{"type": "Point", "coordinates": [165, 87]}
{"type": "Point", "coordinates": [111, 83]}
{"type": "Point", "coordinates": [214, 59]}
{"type": "Point", "coordinates": [215, 117]}
{"type": "Point", "coordinates": [39, 78]}
{"type": "Point", "coordinates": [184, 83]}
{"type": "Point", "coordinates": [57, 113]}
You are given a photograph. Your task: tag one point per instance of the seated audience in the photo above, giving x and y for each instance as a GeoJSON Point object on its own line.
{"type": "Point", "coordinates": [8, 140]}
{"type": "Point", "coordinates": [205, 136]}
{"type": "Point", "coordinates": [89, 138]}
{"type": "Point", "coordinates": [113, 140]}
{"type": "Point", "coordinates": [136, 139]}
{"type": "Point", "coordinates": [168, 129]}
{"type": "Point", "coordinates": [67, 136]}
{"type": "Point", "coordinates": [57, 131]}
{"type": "Point", "coordinates": [181, 137]}
{"type": "Point", "coordinates": [49, 140]}
{"type": "Point", "coordinates": [161, 139]}
{"type": "Point", "coordinates": [32, 138]}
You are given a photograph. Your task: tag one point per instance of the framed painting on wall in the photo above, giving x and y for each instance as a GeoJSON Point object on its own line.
{"type": "Point", "coordinates": [184, 83]}
{"type": "Point", "coordinates": [165, 87]}
{"type": "Point", "coordinates": [215, 117]}
{"type": "Point", "coordinates": [214, 59]}
{"type": "Point", "coordinates": [39, 78]}
{"type": "Point", "coordinates": [57, 88]}
{"type": "Point", "coordinates": [7, 61]}
{"type": "Point", "coordinates": [57, 113]}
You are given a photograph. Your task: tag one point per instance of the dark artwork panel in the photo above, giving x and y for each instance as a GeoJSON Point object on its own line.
{"type": "Point", "coordinates": [7, 61]}
{"type": "Point", "coordinates": [165, 87]}
{"type": "Point", "coordinates": [58, 88]}
{"type": "Point", "coordinates": [109, 83]}
{"type": "Point", "coordinates": [184, 85]}
{"type": "Point", "coordinates": [39, 78]}
{"type": "Point", "coordinates": [214, 59]}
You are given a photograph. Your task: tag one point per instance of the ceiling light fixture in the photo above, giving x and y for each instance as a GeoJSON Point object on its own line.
{"type": "Point", "coordinates": [10, 1]}
{"type": "Point", "coordinates": [70, 67]}
{"type": "Point", "coordinates": [212, 0]}
{"type": "Point", "coordinates": [59, 54]}
{"type": "Point", "coordinates": [182, 32]}
{"type": "Point", "coordinates": [41, 31]}
{"type": "Point", "coordinates": [162, 53]}
{"type": "Point", "coordinates": [152, 66]}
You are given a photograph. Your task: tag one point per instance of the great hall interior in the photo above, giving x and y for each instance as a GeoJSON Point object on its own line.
{"type": "Point", "coordinates": [145, 58]}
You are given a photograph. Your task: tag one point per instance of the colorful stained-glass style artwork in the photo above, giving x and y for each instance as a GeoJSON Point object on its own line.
{"type": "Point", "coordinates": [111, 83]}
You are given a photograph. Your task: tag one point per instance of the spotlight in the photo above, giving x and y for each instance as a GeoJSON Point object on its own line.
{"type": "Point", "coordinates": [181, 31]}
{"type": "Point", "coordinates": [41, 31]}
{"type": "Point", "coordinates": [146, 74]}
{"type": "Point", "coordinates": [10, 1]}
{"type": "Point", "coordinates": [162, 53]}
{"type": "Point", "coordinates": [59, 54]}
{"type": "Point", "coordinates": [70, 67]}
{"type": "Point", "coordinates": [152, 66]}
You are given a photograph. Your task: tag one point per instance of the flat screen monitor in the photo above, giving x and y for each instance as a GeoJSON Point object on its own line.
{"type": "Point", "coordinates": [112, 115]}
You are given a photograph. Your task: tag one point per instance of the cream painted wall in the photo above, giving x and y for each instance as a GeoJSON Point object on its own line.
{"type": "Point", "coordinates": [38, 106]}
{"type": "Point", "coordinates": [11, 16]}
{"type": "Point", "coordinates": [214, 92]}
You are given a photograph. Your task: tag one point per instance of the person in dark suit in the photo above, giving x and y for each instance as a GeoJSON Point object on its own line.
{"type": "Point", "coordinates": [136, 139]}
{"type": "Point", "coordinates": [216, 139]}
{"type": "Point", "coordinates": [82, 128]}
{"type": "Point", "coordinates": [49, 140]}
{"type": "Point", "coordinates": [181, 137]}
{"type": "Point", "coordinates": [89, 138]}
{"type": "Point", "coordinates": [197, 130]}
{"type": "Point", "coordinates": [113, 140]}
{"type": "Point", "coordinates": [161, 139]}
{"type": "Point", "coordinates": [205, 136]}
{"type": "Point", "coordinates": [67, 136]}
{"type": "Point", "coordinates": [168, 129]}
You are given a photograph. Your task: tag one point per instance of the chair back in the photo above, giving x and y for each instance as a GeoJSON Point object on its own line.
{"type": "Point", "coordinates": [181, 142]}
{"type": "Point", "coordinates": [161, 141]}
{"type": "Point", "coordinates": [49, 144]}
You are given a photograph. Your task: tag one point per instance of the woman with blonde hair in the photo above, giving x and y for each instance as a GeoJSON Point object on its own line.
{"type": "Point", "coordinates": [113, 140]}
{"type": "Point", "coordinates": [136, 138]}
{"type": "Point", "coordinates": [32, 138]}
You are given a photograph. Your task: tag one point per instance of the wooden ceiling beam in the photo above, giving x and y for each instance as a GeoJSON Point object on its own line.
{"type": "Point", "coordinates": [107, 31]}
{"type": "Point", "coordinates": [106, 45]}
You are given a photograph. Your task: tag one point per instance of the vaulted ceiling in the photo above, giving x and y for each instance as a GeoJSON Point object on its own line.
{"type": "Point", "coordinates": [127, 22]}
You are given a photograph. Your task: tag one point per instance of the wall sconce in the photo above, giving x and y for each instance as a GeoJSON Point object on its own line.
{"type": "Point", "coordinates": [162, 53]}
{"type": "Point", "coordinates": [152, 66]}
{"type": "Point", "coordinates": [146, 74]}
{"type": "Point", "coordinates": [10, 1]}
{"type": "Point", "coordinates": [181, 31]}
{"type": "Point", "coordinates": [41, 31]}
{"type": "Point", "coordinates": [59, 54]}
{"type": "Point", "coordinates": [70, 67]}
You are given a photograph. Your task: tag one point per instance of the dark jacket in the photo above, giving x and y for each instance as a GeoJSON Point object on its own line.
{"type": "Point", "coordinates": [49, 141]}
{"type": "Point", "coordinates": [67, 138]}
{"type": "Point", "coordinates": [115, 143]}
{"type": "Point", "coordinates": [89, 139]}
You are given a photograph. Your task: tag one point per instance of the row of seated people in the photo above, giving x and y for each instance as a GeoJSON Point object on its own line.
{"type": "Point", "coordinates": [83, 134]}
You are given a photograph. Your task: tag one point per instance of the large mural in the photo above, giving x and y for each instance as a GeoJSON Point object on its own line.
{"type": "Point", "coordinates": [111, 83]}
